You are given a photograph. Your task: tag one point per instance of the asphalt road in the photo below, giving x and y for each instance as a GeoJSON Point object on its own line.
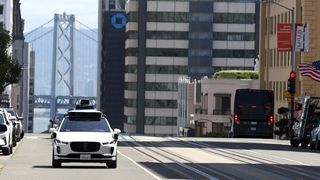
{"type": "Point", "coordinates": [143, 157]}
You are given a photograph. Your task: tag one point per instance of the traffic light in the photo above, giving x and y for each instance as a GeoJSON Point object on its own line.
{"type": "Point", "coordinates": [292, 83]}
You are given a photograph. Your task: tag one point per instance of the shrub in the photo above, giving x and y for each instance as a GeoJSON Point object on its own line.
{"type": "Point", "coordinates": [236, 74]}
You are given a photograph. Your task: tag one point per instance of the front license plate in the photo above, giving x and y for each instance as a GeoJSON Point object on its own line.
{"type": "Point", "coordinates": [85, 156]}
{"type": "Point", "coordinates": [253, 128]}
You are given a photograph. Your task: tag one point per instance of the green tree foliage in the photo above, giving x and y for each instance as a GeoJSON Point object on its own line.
{"type": "Point", "coordinates": [236, 74]}
{"type": "Point", "coordinates": [10, 69]}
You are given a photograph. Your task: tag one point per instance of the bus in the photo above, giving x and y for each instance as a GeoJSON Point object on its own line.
{"type": "Point", "coordinates": [253, 113]}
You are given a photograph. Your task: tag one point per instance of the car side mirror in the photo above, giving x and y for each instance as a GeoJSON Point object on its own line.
{"type": "Point", "coordinates": [52, 130]}
{"type": "Point", "coordinates": [117, 131]}
{"type": "Point", "coordinates": [3, 128]}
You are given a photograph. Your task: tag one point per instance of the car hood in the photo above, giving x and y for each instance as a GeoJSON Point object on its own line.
{"type": "Point", "coordinates": [85, 136]}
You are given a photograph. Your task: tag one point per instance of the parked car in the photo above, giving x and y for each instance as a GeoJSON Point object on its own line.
{"type": "Point", "coordinates": [6, 129]}
{"type": "Point", "coordinates": [315, 132]}
{"type": "Point", "coordinates": [303, 125]}
{"type": "Point", "coordinates": [85, 136]}
{"type": "Point", "coordinates": [17, 123]}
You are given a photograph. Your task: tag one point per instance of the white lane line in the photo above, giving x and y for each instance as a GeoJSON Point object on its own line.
{"type": "Point", "coordinates": [255, 152]}
{"type": "Point", "coordinates": [278, 157]}
{"type": "Point", "coordinates": [134, 162]}
{"type": "Point", "coordinates": [32, 137]}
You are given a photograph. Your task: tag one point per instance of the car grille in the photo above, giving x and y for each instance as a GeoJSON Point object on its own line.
{"type": "Point", "coordinates": [85, 146]}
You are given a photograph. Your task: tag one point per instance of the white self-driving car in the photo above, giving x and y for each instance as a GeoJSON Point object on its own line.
{"type": "Point", "coordinates": [85, 136]}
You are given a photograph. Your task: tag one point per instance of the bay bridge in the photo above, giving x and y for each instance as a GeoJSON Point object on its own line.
{"type": "Point", "coordinates": [64, 64]}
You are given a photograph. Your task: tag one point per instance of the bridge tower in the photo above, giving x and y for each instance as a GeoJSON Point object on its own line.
{"type": "Point", "coordinates": [62, 62]}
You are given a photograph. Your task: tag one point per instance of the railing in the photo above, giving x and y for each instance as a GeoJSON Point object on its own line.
{"type": "Point", "coordinates": [221, 112]}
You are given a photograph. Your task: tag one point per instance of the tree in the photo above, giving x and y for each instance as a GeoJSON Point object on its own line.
{"type": "Point", "coordinates": [10, 69]}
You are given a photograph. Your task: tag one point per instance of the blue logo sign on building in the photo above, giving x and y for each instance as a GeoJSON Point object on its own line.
{"type": "Point", "coordinates": [118, 20]}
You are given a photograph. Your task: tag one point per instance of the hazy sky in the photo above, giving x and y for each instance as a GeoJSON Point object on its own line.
{"type": "Point", "coordinates": [38, 12]}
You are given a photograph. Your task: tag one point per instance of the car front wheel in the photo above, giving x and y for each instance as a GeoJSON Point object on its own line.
{"type": "Point", "coordinates": [112, 164]}
{"type": "Point", "coordinates": [294, 142]}
{"type": "Point", "coordinates": [55, 163]}
{"type": "Point", "coordinates": [6, 151]}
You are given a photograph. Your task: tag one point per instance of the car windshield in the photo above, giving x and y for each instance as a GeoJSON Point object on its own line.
{"type": "Point", "coordinates": [11, 111]}
{"type": "Point", "coordinates": [84, 125]}
{"type": "Point", "coordinates": [1, 119]}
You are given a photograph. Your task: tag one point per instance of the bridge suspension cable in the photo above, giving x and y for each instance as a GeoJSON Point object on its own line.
{"type": "Point", "coordinates": [30, 41]}
{"type": "Point", "coordinates": [86, 35]}
{"type": "Point", "coordinates": [86, 26]}
{"type": "Point", "coordinates": [41, 26]}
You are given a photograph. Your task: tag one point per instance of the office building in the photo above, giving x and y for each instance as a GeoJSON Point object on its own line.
{"type": "Point", "coordinates": [167, 39]}
{"type": "Point", "coordinates": [275, 66]}
{"type": "Point", "coordinates": [111, 54]}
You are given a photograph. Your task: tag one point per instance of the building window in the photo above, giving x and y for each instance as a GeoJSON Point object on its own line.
{"type": "Point", "coordinates": [132, 35]}
{"type": "Point", "coordinates": [1, 9]}
{"type": "Point", "coordinates": [131, 69]}
{"type": "Point", "coordinates": [223, 104]}
{"type": "Point", "coordinates": [234, 18]}
{"type": "Point", "coordinates": [233, 36]}
{"type": "Point", "coordinates": [152, 86]}
{"type": "Point", "coordinates": [167, 17]}
{"type": "Point", "coordinates": [166, 52]}
{"type": "Point", "coordinates": [130, 102]}
{"type": "Point", "coordinates": [157, 103]}
{"type": "Point", "coordinates": [229, 53]}
{"type": "Point", "coordinates": [160, 121]}
{"type": "Point", "coordinates": [200, 35]}
{"type": "Point", "coordinates": [132, 17]}
{"type": "Point", "coordinates": [200, 17]}
{"type": "Point", "coordinates": [167, 35]}
{"type": "Point", "coordinates": [158, 69]}
{"type": "Point", "coordinates": [131, 52]}
{"type": "Point", "coordinates": [131, 86]}
{"type": "Point", "coordinates": [131, 119]}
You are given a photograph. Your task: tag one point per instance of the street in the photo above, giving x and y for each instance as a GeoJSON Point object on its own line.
{"type": "Point", "coordinates": [145, 157]}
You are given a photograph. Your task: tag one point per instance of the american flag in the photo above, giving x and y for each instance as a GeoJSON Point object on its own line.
{"type": "Point", "coordinates": [312, 70]}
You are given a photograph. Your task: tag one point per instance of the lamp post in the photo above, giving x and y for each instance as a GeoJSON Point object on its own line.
{"type": "Point", "coordinates": [292, 10]}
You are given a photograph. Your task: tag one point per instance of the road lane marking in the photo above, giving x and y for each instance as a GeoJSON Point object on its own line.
{"type": "Point", "coordinates": [134, 162]}
{"type": "Point", "coordinates": [32, 137]}
{"type": "Point", "coordinates": [278, 157]}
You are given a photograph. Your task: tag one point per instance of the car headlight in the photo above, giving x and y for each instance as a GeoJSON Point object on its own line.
{"type": "Point", "coordinates": [111, 142]}
{"type": "Point", "coordinates": [57, 141]}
